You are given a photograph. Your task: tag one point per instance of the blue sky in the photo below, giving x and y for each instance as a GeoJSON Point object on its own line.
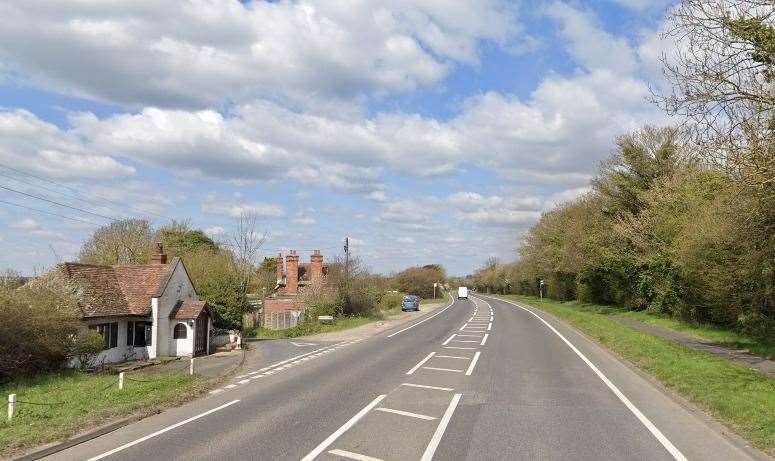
{"type": "Point", "coordinates": [426, 131]}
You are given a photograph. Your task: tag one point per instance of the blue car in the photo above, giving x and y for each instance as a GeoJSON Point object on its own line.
{"type": "Point", "coordinates": [410, 303]}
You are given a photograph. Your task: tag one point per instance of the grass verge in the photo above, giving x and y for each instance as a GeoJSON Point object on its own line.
{"type": "Point", "coordinates": [311, 328]}
{"type": "Point", "coordinates": [742, 398]}
{"type": "Point", "coordinates": [78, 400]}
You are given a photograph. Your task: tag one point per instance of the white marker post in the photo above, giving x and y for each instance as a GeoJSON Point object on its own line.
{"type": "Point", "coordinates": [11, 402]}
{"type": "Point", "coordinates": [191, 366]}
{"type": "Point", "coordinates": [121, 381]}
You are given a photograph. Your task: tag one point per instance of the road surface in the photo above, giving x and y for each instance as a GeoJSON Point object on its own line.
{"type": "Point", "coordinates": [481, 379]}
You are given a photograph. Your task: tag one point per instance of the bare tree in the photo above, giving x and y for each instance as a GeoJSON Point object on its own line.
{"type": "Point", "coordinates": [723, 79]}
{"type": "Point", "coordinates": [245, 243]}
{"type": "Point", "coordinates": [129, 241]}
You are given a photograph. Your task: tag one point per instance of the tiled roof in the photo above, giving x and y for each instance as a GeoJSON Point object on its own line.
{"type": "Point", "coordinates": [116, 290]}
{"type": "Point", "coordinates": [189, 309]}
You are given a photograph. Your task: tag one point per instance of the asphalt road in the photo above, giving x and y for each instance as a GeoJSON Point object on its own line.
{"type": "Point", "coordinates": [480, 380]}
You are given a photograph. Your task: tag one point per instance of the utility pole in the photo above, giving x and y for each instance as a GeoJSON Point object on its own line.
{"type": "Point", "coordinates": [347, 261]}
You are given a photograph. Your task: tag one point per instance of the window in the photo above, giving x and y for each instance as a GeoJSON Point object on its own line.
{"type": "Point", "coordinates": [138, 333]}
{"type": "Point", "coordinates": [180, 331]}
{"type": "Point", "coordinates": [109, 332]}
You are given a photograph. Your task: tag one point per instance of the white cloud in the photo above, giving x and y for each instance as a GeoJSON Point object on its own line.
{"type": "Point", "coordinates": [406, 240]}
{"type": "Point", "coordinates": [215, 231]}
{"type": "Point", "coordinates": [25, 224]}
{"type": "Point", "coordinates": [30, 144]}
{"type": "Point", "coordinates": [304, 221]}
{"type": "Point", "coordinates": [215, 206]}
{"type": "Point", "coordinates": [195, 54]}
{"type": "Point", "coordinates": [590, 45]}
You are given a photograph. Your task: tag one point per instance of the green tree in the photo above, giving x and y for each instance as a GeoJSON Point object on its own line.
{"type": "Point", "coordinates": [129, 241]}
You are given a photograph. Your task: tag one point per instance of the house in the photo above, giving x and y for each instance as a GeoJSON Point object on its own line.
{"type": "Point", "coordinates": [291, 280]}
{"type": "Point", "coordinates": [143, 311]}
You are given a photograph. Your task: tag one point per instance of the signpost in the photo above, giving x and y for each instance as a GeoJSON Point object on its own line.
{"type": "Point", "coordinates": [434, 289]}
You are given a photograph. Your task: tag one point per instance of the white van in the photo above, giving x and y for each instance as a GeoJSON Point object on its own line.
{"type": "Point", "coordinates": [462, 293]}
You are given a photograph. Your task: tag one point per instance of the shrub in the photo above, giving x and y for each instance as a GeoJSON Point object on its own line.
{"type": "Point", "coordinates": [389, 301]}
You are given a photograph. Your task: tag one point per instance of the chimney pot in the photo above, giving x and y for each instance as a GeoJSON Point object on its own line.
{"type": "Point", "coordinates": [159, 257]}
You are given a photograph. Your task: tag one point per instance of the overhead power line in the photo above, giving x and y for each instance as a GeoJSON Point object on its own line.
{"type": "Point", "coordinates": [57, 203]}
{"type": "Point", "coordinates": [78, 191]}
{"type": "Point", "coordinates": [49, 213]}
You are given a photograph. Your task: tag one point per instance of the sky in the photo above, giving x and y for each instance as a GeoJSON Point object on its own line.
{"type": "Point", "coordinates": [427, 131]}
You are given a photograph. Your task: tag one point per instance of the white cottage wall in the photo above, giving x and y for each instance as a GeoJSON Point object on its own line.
{"type": "Point", "coordinates": [179, 288]}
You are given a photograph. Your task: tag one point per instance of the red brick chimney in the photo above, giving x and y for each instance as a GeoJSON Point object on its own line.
{"type": "Point", "coordinates": [292, 272]}
{"type": "Point", "coordinates": [278, 266]}
{"type": "Point", "coordinates": [159, 257]}
{"type": "Point", "coordinates": [316, 267]}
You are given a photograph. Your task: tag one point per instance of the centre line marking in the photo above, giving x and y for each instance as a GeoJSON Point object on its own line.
{"type": "Point", "coordinates": [452, 357]}
{"type": "Point", "coordinates": [442, 369]}
{"type": "Point", "coordinates": [406, 413]}
{"type": "Point", "coordinates": [489, 326]}
{"type": "Point", "coordinates": [448, 340]}
{"type": "Point", "coordinates": [161, 431]}
{"type": "Point", "coordinates": [484, 340]}
{"type": "Point", "coordinates": [458, 347]}
{"type": "Point", "coordinates": [423, 386]}
{"type": "Point", "coordinates": [677, 455]}
{"type": "Point", "coordinates": [422, 362]}
{"type": "Point", "coordinates": [351, 455]}
{"type": "Point", "coordinates": [345, 427]}
{"type": "Point", "coordinates": [473, 364]}
{"type": "Point", "coordinates": [436, 439]}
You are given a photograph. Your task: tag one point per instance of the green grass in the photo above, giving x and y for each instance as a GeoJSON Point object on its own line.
{"type": "Point", "coordinates": [81, 400]}
{"type": "Point", "coordinates": [742, 398]}
{"type": "Point", "coordinates": [437, 300]}
{"type": "Point", "coordinates": [311, 328]}
{"type": "Point", "coordinates": [764, 347]}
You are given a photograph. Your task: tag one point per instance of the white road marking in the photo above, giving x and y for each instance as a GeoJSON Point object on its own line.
{"type": "Point", "coordinates": [406, 413]}
{"type": "Point", "coordinates": [623, 398]}
{"type": "Point", "coordinates": [463, 327]}
{"type": "Point", "coordinates": [472, 336]}
{"type": "Point", "coordinates": [217, 391]}
{"type": "Point", "coordinates": [458, 347]}
{"type": "Point", "coordinates": [436, 439]}
{"type": "Point", "coordinates": [351, 455]}
{"type": "Point", "coordinates": [231, 386]}
{"type": "Point", "coordinates": [161, 431]}
{"type": "Point", "coordinates": [422, 362]}
{"type": "Point", "coordinates": [489, 326]}
{"type": "Point", "coordinates": [442, 369]}
{"type": "Point", "coordinates": [423, 320]}
{"type": "Point", "coordinates": [345, 427]}
{"type": "Point", "coordinates": [452, 357]}
{"type": "Point", "coordinates": [244, 381]}
{"type": "Point", "coordinates": [423, 386]}
{"type": "Point", "coordinates": [448, 340]}
{"type": "Point", "coordinates": [465, 341]}
{"type": "Point", "coordinates": [484, 340]}
{"type": "Point", "coordinates": [473, 364]}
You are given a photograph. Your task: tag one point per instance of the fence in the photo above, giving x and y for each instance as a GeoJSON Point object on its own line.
{"type": "Point", "coordinates": [282, 320]}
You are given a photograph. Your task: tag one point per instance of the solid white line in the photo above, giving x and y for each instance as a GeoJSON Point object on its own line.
{"type": "Point", "coordinates": [161, 431]}
{"type": "Point", "coordinates": [351, 455]}
{"type": "Point", "coordinates": [231, 386]}
{"type": "Point", "coordinates": [423, 386]}
{"type": "Point", "coordinates": [406, 413]}
{"type": "Point", "coordinates": [436, 439]}
{"type": "Point", "coordinates": [448, 340]}
{"type": "Point", "coordinates": [489, 326]}
{"type": "Point", "coordinates": [345, 427]}
{"type": "Point", "coordinates": [465, 341]}
{"type": "Point", "coordinates": [473, 364]}
{"type": "Point", "coordinates": [463, 327]}
{"type": "Point", "coordinates": [414, 368]}
{"type": "Point", "coordinates": [456, 347]}
{"type": "Point", "coordinates": [623, 398]}
{"type": "Point", "coordinates": [472, 336]}
{"type": "Point", "coordinates": [452, 357]}
{"type": "Point", "coordinates": [423, 320]}
{"type": "Point", "coordinates": [442, 369]}
{"type": "Point", "coordinates": [484, 340]}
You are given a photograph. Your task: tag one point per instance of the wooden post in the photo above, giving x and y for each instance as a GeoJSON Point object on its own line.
{"type": "Point", "coordinates": [191, 366]}
{"type": "Point", "coordinates": [11, 402]}
{"type": "Point", "coordinates": [121, 381]}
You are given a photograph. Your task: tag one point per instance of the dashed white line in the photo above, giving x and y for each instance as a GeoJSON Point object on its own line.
{"type": "Point", "coordinates": [406, 413]}
{"type": "Point", "coordinates": [452, 357]}
{"type": "Point", "coordinates": [345, 427]}
{"type": "Point", "coordinates": [161, 431]}
{"type": "Point", "coordinates": [436, 439]}
{"type": "Point", "coordinates": [460, 347]}
{"type": "Point", "coordinates": [448, 340]}
{"type": "Point", "coordinates": [351, 455]}
{"type": "Point", "coordinates": [442, 369]}
{"type": "Point", "coordinates": [484, 340]}
{"type": "Point", "coordinates": [423, 386]}
{"type": "Point", "coordinates": [489, 326]}
{"type": "Point", "coordinates": [422, 362]}
{"type": "Point", "coordinates": [473, 364]}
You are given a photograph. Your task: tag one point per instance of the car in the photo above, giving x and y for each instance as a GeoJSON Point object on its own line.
{"type": "Point", "coordinates": [410, 303]}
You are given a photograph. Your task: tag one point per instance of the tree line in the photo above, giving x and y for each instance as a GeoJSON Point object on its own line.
{"type": "Point", "coordinates": [679, 220]}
